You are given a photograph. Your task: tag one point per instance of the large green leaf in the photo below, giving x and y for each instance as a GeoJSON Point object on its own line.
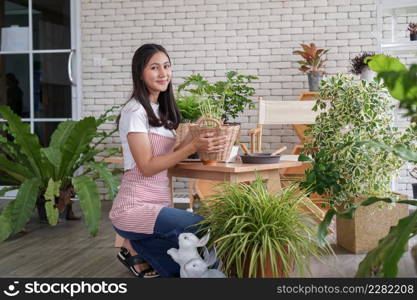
{"type": "Point", "coordinates": [324, 225]}
{"type": "Point", "coordinates": [62, 133]}
{"type": "Point", "coordinates": [106, 175]}
{"type": "Point", "coordinates": [381, 63]}
{"type": "Point", "coordinates": [15, 169]}
{"type": "Point", "coordinates": [28, 142]}
{"type": "Point", "coordinates": [87, 191]}
{"type": "Point", "coordinates": [383, 259]}
{"type": "Point", "coordinates": [77, 142]}
{"type": "Point", "coordinates": [51, 192]}
{"type": "Point", "coordinates": [6, 221]}
{"type": "Point", "coordinates": [54, 156]}
{"type": "Point", "coordinates": [25, 202]}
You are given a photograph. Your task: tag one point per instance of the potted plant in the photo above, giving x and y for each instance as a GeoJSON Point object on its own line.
{"type": "Point", "coordinates": [48, 176]}
{"type": "Point", "coordinates": [234, 93]}
{"type": "Point", "coordinates": [412, 27]}
{"type": "Point", "coordinates": [413, 174]}
{"type": "Point", "coordinates": [359, 67]}
{"type": "Point", "coordinates": [313, 64]}
{"type": "Point", "coordinates": [211, 121]}
{"type": "Point", "coordinates": [382, 261]}
{"type": "Point", "coordinates": [358, 111]}
{"type": "Point", "coordinates": [259, 234]}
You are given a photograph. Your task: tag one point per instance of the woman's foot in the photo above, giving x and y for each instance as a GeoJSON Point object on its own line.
{"type": "Point", "coordinates": [142, 269]}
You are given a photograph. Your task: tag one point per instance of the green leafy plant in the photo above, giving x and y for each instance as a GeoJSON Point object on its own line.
{"type": "Point", "coordinates": [313, 58]}
{"type": "Point", "coordinates": [358, 111]}
{"type": "Point", "coordinates": [383, 260]}
{"type": "Point", "coordinates": [250, 226]}
{"type": "Point", "coordinates": [189, 107]}
{"type": "Point", "coordinates": [51, 175]}
{"type": "Point", "coordinates": [233, 94]}
{"type": "Point", "coordinates": [399, 80]}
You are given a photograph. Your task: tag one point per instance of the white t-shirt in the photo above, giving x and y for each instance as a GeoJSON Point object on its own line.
{"type": "Point", "coordinates": [134, 119]}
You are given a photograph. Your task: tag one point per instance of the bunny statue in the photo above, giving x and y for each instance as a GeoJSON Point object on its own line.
{"type": "Point", "coordinates": [198, 268]}
{"type": "Point", "coordinates": [188, 244]}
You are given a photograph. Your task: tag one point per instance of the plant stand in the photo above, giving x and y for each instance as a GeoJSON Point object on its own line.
{"type": "Point", "coordinates": [369, 224]}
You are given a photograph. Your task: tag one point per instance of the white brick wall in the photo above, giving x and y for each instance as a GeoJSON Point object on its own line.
{"type": "Point", "coordinates": [253, 37]}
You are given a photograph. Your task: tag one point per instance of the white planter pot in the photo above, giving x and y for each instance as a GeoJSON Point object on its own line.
{"type": "Point", "coordinates": [367, 74]}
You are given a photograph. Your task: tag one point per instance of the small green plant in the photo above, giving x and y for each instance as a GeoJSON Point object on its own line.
{"type": "Point", "coordinates": [189, 107]}
{"type": "Point", "coordinates": [313, 58]}
{"type": "Point", "coordinates": [49, 175]}
{"type": "Point", "coordinates": [249, 225]}
{"type": "Point", "coordinates": [358, 111]}
{"type": "Point", "coordinates": [233, 94]}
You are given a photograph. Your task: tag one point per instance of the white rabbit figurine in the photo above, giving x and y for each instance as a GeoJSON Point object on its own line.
{"type": "Point", "coordinates": [198, 268]}
{"type": "Point", "coordinates": [188, 244]}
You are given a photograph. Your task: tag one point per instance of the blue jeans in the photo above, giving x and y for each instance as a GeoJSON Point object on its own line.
{"type": "Point", "coordinates": [170, 223]}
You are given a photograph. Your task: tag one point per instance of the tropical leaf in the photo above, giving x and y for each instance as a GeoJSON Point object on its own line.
{"type": "Point", "coordinates": [28, 142]}
{"type": "Point", "coordinates": [52, 191]}
{"type": "Point", "coordinates": [14, 169]}
{"type": "Point", "coordinates": [54, 156]}
{"type": "Point", "coordinates": [61, 133]}
{"type": "Point", "coordinates": [87, 191]}
{"type": "Point", "coordinates": [383, 260]}
{"type": "Point", "coordinates": [382, 63]}
{"type": "Point", "coordinates": [77, 142]}
{"type": "Point", "coordinates": [324, 225]}
{"type": "Point", "coordinates": [6, 221]}
{"type": "Point", "coordinates": [25, 202]}
{"type": "Point", "coordinates": [106, 175]}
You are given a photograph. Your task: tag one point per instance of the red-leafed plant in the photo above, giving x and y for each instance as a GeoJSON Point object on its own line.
{"type": "Point", "coordinates": [313, 58]}
{"type": "Point", "coordinates": [412, 27]}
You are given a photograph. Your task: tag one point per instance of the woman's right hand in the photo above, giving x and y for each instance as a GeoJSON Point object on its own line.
{"type": "Point", "coordinates": [208, 143]}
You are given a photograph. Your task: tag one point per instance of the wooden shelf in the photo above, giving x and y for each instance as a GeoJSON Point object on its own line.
{"type": "Point", "coordinates": [389, 5]}
{"type": "Point", "coordinates": [400, 47]}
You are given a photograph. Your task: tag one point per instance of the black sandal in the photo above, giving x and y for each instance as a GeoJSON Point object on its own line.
{"type": "Point", "coordinates": [130, 261]}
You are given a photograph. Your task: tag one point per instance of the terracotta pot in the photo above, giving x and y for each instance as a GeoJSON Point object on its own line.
{"type": "Point", "coordinates": [268, 270]}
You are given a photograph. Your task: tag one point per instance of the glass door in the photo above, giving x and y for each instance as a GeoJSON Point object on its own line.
{"type": "Point", "coordinates": [39, 62]}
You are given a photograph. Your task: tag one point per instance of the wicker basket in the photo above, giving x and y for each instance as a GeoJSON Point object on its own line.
{"type": "Point", "coordinates": [231, 131]}
{"type": "Point", "coordinates": [181, 132]}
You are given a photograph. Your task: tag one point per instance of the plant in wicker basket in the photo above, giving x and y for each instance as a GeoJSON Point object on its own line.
{"type": "Point", "coordinates": [211, 122]}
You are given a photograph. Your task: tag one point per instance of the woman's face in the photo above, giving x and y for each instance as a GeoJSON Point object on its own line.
{"type": "Point", "coordinates": [157, 73]}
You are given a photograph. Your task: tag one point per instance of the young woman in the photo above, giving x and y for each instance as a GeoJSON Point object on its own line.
{"type": "Point", "coordinates": [141, 212]}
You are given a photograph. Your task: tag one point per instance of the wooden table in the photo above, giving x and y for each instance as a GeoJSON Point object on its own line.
{"type": "Point", "coordinates": [233, 172]}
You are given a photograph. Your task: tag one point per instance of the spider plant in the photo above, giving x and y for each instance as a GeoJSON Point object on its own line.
{"type": "Point", "coordinates": [250, 227]}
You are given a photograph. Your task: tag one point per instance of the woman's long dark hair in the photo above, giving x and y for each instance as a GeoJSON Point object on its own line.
{"type": "Point", "coordinates": [168, 110]}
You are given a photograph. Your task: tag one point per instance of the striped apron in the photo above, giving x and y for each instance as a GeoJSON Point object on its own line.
{"type": "Point", "coordinates": [140, 198]}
